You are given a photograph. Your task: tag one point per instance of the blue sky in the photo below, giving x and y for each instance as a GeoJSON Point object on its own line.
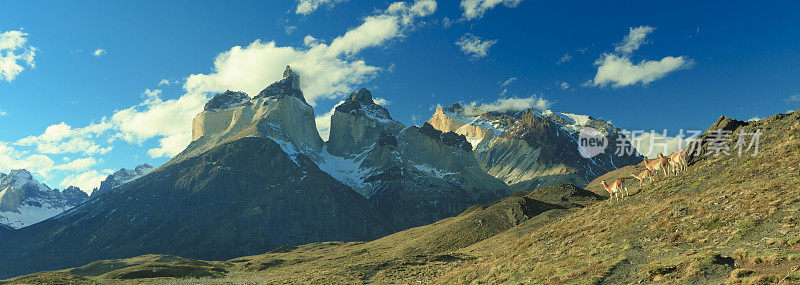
{"type": "Point", "coordinates": [80, 93]}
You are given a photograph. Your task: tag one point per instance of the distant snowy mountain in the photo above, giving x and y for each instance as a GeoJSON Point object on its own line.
{"type": "Point", "coordinates": [24, 201]}
{"type": "Point", "coordinates": [530, 149]}
{"type": "Point", "coordinates": [120, 177]}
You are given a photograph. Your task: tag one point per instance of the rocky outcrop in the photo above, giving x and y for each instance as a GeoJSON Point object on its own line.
{"type": "Point", "coordinates": [358, 124]}
{"type": "Point", "coordinates": [448, 138]}
{"type": "Point", "coordinates": [120, 177]}
{"type": "Point", "coordinates": [531, 149]}
{"type": "Point", "coordinates": [288, 86]}
{"type": "Point", "coordinates": [454, 163]}
{"type": "Point", "coordinates": [279, 112]}
{"type": "Point", "coordinates": [24, 201]}
{"type": "Point", "coordinates": [226, 100]}
{"type": "Point", "coordinates": [414, 176]}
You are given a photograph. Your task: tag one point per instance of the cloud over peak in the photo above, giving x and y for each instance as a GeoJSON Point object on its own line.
{"type": "Point", "coordinates": [515, 104]}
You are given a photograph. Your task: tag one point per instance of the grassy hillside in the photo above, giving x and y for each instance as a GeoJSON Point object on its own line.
{"type": "Point", "coordinates": [728, 219]}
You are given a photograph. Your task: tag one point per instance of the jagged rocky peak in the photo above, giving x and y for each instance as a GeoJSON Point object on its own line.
{"type": "Point", "coordinates": [226, 100]}
{"type": "Point", "coordinates": [448, 138]}
{"type": "Point", "coordinates": [289, 85]}
{"type": "Point", "coordinates": [279, 112]}
{"type": "Point", "coordinates": [121, 177]}
{"type": "Point", "coordinates": [454, 108]}
{"type": "Point", "coordinates": [361, 103]}
{"type": "Point", "coordinates": [358, 123]}
{"type": "Point", "coordinates": [24, 201]}
{"type": "Point", "coordinates": [74, 195]}
{"type": "Point", "coordinates": [21, 175]}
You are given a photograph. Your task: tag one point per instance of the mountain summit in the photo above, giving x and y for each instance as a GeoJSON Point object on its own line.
{"type": "Point", "coordinates": [288, 86]}
{"type": "Point", "coordinates": [279, 113]}
{"type": "Point", "coordinates": [530, 149]}
{"type": "Point", "coordinates": [24, 201]}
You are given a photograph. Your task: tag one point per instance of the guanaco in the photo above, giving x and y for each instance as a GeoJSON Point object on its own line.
{"type": "Point", "coordinates": [615, 189]}
{"type": "Point", "coordinates": [658, 164]}
{"type": "Point", "coordinates": [646, 174]}
{"type": "Point", "coordinates": [677, 161]}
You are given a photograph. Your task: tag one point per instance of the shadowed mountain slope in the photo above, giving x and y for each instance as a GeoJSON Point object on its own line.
{"type": "Point", "coordinates": [240, 198]}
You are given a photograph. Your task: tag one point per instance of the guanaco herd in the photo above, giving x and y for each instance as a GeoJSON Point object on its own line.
{"type": "Point", "coordinates": [672, 164]}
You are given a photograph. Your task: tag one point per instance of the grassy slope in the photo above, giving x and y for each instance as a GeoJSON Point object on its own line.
{"type": "Point", "coordinates": [727, 219]}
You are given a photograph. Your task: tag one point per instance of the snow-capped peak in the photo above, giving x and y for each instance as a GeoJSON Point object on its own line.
{"type": "Point", "coordinates": [24, 201]}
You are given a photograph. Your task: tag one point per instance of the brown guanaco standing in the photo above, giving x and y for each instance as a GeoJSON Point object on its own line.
{"type": "Point", "coordinates": [646, 174]}
{"type": "Point", "coordinates": [616, 188]}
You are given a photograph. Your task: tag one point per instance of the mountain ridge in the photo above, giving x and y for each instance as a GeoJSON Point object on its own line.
{"type": "Point", "coordinates": [25, 201]}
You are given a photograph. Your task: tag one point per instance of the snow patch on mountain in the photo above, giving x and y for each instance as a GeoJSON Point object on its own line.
{"type": "Point", "coordinates": [38, 210]}
{"type": "Point", "coordinates": [346, 170]}
{"type": "Point", "coordinates": [24, 201]}
{"type": "Point", "coordinates": [432, 171]}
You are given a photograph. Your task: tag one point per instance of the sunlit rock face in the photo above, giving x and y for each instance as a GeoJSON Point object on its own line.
{"type": "Point", "coordinates": [359, 123]}
{"type": "Point", "coordinates": [279, 112]}
{"type": "Point", "coordinates": [530, 149]}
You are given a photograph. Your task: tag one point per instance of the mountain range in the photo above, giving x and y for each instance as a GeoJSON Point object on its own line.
{"type": "Point", "coordinates": [258, 176]}
{"type": "Point", "coordinates": [726, 219]}
{"type": "Point", "coordinates": [24, 201]}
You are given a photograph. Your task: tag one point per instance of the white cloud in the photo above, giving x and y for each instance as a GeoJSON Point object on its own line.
{"type": "Point", "coordinates": [165, 82]}
{"type": "Point", "coordinates": [634, 39]}
{"type": "Point", "coordinates": [564, 59]}
{"type": "Point", "coordinates": [754, 119]}
{"type": "Point", "coordinates": [14, 53]}
{"type": "Point", "coordinates": [62, 138]}
{"type": "Point", "coordinates": [87, 180]}
{"type": "Point", "coordinates": [508, 81]}
{"type": "Point", "coordinates": [326, 71]}
{"type": "Point", "coordinates": [169, 119]}
{"type": "Point", "coordinates": [515, 104]}
{"type": "Point", "coordinates": [11, 158]}
{"type": "Point", "coordinates": [382, 101]}
{"type": "Point", "coordinates": [99, 52]}
{"type": "Point", "coordinates": [310, 41]}
{"type": "Point", "coordinates": [474, 46]}
{"type": "Point", "coordinates": [564, 85]}
{"type": "Point", "coordinates": [78, 164]}
{"type": "Point", "coordinates": [290, 29]}
{"type": "Point", "coordinates": [305, 7]}
{"type": "Point", "coordinates": [474, 9]}
{"type": "Point", "coordinates": [618, 70]}
{"type": "Point", "coordinates": [793, 99]}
